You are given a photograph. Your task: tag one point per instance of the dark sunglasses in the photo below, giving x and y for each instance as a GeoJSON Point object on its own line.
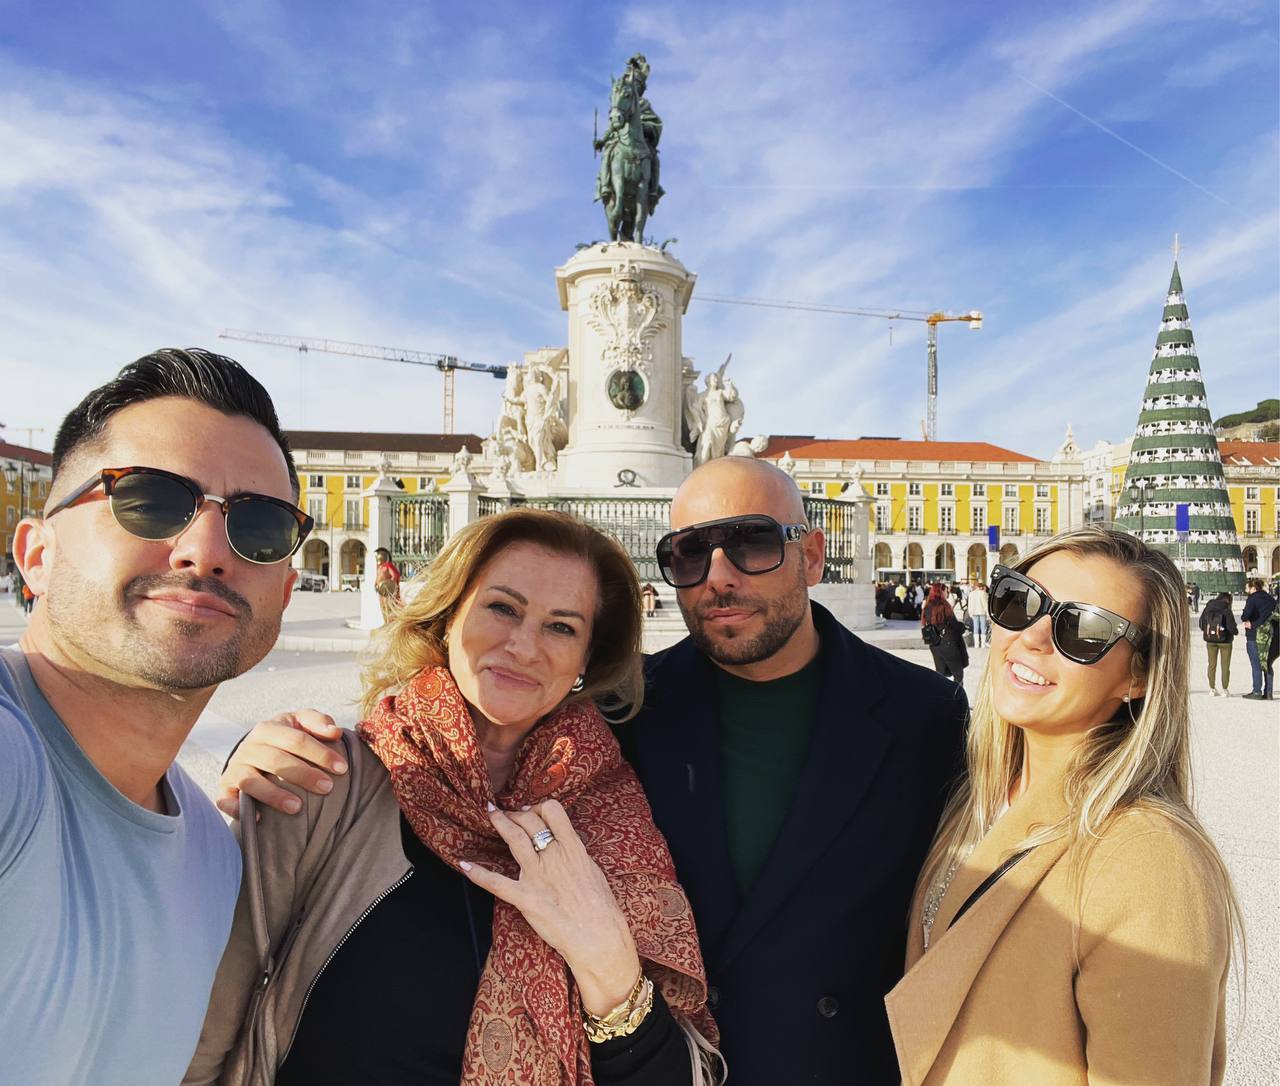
{"type": "Point", "coordinates": [754, 544]}
{"type": "Point", "coordinates": [154, 504]}
{"type": "Point", "coordinates": [1082, 632]}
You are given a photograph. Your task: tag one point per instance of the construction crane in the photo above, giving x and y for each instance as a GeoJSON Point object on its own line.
{"type": "Point", "coordinates": [932, 320]}
{"type": "Point", "coordinates": [447, 364]}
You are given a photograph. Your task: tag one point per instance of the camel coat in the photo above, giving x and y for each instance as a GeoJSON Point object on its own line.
{"type": "Point", "coordinates": [1018, 992]}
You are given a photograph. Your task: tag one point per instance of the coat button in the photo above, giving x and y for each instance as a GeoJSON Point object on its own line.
{"type": "Point", "coordinates": [713, 997]}
{"type": "Point", "coordinates": [828, 1006]}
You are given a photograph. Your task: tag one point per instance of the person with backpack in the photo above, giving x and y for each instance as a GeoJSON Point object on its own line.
{"type": "Point", "coordinates": [1218, 625]}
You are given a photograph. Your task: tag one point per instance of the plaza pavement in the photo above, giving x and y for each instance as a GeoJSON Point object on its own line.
{"type": "Point", "coordinates": [1236, 753]}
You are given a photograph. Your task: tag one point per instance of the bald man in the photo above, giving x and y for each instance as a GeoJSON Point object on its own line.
{"type": "Point", "coordinates": [797, 772]}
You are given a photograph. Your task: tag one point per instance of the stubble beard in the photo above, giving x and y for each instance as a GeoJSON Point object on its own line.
{"type": "Point", "coordinates": [177, 657]}
{"type": "Point", "coordinates": [782, 617]}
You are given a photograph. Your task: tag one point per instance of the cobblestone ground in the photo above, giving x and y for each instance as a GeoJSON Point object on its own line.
{"type": "Point", "coordinates": [1237, 778]}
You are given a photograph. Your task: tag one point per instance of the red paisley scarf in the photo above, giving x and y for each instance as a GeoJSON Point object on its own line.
{"type": "Point", "coordinates": [526, 1026]}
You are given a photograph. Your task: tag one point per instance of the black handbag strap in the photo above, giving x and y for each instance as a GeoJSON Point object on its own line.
{"type": "Point", "coordinates": [987, 883]}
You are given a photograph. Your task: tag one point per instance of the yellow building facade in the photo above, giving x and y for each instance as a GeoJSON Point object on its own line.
{"type": "Point", "coordinates": [933, 503]}
{"type": "Point", "coordinates": [27, 493]}
{"type": "Point", "coordinates": [336, 469]}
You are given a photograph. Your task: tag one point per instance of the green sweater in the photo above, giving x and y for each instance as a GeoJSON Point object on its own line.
{"type": "Point", "coordinates": [764, 739]}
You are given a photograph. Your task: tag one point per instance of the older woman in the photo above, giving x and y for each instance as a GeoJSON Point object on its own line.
{"type": "Point", "coordinates": [1073, 921]}
{"type": "Point", "coordinates": [483, 895]}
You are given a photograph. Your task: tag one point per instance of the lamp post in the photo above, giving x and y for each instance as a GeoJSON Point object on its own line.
{"type": "Point", "coordinates": [17, 473]}
{"type": "Point", "coordinates": [1142, 493]}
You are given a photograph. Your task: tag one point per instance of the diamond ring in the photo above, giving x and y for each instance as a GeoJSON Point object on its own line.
{"type": "Point", "coordinates": [542, 839]}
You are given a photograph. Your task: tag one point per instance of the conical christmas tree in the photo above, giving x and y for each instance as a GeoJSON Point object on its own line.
{"type": "Point", "coordinates": [1175, 460]}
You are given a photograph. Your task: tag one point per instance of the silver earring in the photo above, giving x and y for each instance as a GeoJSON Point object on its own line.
{"type": "Point", "coordinates": [582, 681]}
{"type": "Point", "coordinates": [1126, 699]}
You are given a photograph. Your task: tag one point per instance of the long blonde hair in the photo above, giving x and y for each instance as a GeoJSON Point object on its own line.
{"type": "Point", "coordinates": [416, 635]}
{"type": "Point", "coordinates": [1138, 760]}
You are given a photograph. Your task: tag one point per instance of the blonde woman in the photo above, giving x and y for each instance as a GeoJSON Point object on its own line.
{"type": "Point", "coordinates": [1073, 922]}
{"type": "Point", "coordinates": [483, 896]}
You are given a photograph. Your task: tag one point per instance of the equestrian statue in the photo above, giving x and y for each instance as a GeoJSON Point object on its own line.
{"type": "Point", "coordinates": [627, 183]}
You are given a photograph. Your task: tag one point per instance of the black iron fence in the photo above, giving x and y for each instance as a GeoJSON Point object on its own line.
{"type": "Point", "coordinates": [837, 521]}
{"type": "Point", "coordinates": [419, 527]}
{"type": "Point", "coordinates": [636, 523]}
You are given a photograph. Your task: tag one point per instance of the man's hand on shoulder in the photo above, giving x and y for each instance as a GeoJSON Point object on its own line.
{"type": "Point", "coordinates": [292, 746]}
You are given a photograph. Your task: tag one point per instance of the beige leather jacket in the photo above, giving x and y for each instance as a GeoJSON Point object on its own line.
{"type": "Point", "coordinates": [309, 880]}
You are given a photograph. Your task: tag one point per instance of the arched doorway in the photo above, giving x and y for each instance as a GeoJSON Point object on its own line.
{"type": "Point", "coordinates": [315, 556]}
{"type": "Point", "coordinates": [1250, 556]}
{"type": "Point", "coordinates": [915, 556]}
{"type": "Point", "coordinates": [977, 563]}
{"type": "Point", "coordinates": [351, 559]}
{"type": "Point", "coordinates": [1008, 553]}
{"type": "Point", "coordinates": [1275, 561]}
{"type": "Point", "coordinates": [884, 558]}
{"type": "Point", "coordinates": [945, 557]}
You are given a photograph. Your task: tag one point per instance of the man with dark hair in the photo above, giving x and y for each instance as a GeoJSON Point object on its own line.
{"type": "Point", "coordinates": [160, 569]}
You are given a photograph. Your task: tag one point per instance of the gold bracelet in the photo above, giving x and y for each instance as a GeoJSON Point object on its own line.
{"type": "Point", "coordinates": [625, 1018]}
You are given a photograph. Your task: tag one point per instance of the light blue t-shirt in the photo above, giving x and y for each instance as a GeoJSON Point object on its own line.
{"type": "Point", "coordinates": [112, 917]}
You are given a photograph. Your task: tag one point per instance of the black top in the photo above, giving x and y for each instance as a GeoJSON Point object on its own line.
{"type": "Point", "coordinates": [1257, 610]}
{"type": "Point", "coordinates": [392, 1005]}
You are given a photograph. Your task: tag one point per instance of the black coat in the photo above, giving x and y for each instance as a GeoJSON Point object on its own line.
{"type": "Point", "coordinates": [800, 966]}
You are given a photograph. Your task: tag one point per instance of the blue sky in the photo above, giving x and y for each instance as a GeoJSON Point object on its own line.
{"type": "Point", "coordinates": [410, 174]}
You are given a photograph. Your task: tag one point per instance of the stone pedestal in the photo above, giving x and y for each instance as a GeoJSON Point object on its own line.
{"type": "Point", "coordinates": [625, 302]}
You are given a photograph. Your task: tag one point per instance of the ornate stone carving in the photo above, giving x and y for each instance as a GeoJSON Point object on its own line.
{"type": "Point", "coordinates": [626, 312]}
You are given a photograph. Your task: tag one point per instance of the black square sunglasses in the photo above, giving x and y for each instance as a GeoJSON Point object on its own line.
{"type": "Point", "coordinates": [153, 504]}
{"type": "Point", "coordinates": [755, 543]}
{"type": "Point", "coordinates": [1082, 632]}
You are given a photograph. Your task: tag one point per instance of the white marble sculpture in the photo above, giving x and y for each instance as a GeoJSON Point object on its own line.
{"type": "Point", "coordinates": [787, 464]}
{"type": "Point", "coordinates": [626, 311]}
{"type": "Point", "coordinates": [544, 417]}
{"type": "Point", "coordinates": [753, 447]}
{"type": "Point", "coordinates": [718, 417]}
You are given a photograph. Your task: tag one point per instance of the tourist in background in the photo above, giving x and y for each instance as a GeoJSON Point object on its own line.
{"type": "Point", "coordinates": [979, 614]}
{"type": "Point", "coordinates": [1218, 627]}
{"type": "Point", "coordinates": [1073, 922]}
{"type": "Point", "coordinates": [1258, 609]}
{"type": "Point", "coordinates": [486, 874]}
{"type": "Point", "coordinates": [649, 599]}
{"type": "Point", "coordinates": [386, 583]}
{"type": "Point", "coordinates": [944, 635]}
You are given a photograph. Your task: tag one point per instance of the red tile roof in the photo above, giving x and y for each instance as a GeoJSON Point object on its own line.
{"type": "Point", "coordinates": [21, 452]}
{"type": "Point", "coordinates": [1250, 453]}
{"type": "Point", "coordinates": [807, 447]}
{"type": "Point", "coordinates": [368, 442]}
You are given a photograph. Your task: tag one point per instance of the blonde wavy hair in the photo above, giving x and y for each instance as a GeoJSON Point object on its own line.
{"type": "Point", "coordinates": [1138, 760]}
{"type": "Point", "coordinates": [416, 635]}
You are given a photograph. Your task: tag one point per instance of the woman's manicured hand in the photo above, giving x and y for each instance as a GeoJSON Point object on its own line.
{"type": "Point", "coordinates": [566, 899]}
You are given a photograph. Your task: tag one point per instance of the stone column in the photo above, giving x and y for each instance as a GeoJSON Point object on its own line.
{"type": "Point", "coordinates": [463, 489]}
{"type": "Point", "coordinates": [626, 387]}
{"type": "Point", "coordinates": [379, 496]}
